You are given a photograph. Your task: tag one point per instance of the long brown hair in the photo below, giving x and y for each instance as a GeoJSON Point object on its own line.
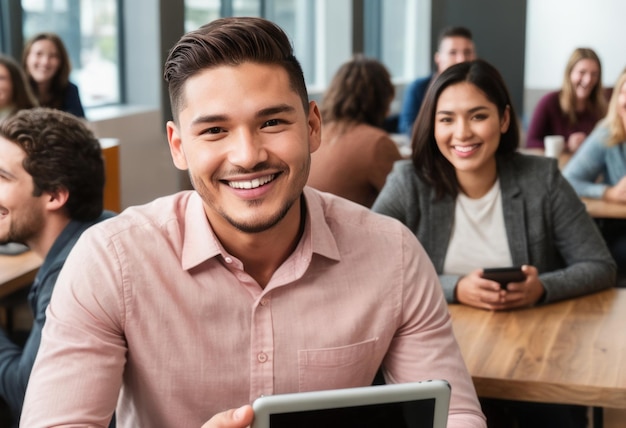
{"type": "Point", "coordinates": [60, 80]}
{"type": "Point", "coordinates": [23, 96]}
{"type": "Point", "coordinates": [596, 103]}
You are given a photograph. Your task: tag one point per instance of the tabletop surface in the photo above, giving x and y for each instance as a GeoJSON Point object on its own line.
{"type": "Point", "coordinates": [17, 271]}
{"type": "Point", "coordinates": [571, 352]}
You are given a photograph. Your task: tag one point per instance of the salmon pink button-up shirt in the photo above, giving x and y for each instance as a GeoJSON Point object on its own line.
{"type": "Point", "coordinates": [151, 308]}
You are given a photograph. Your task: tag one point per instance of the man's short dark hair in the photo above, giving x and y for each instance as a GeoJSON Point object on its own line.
{"type": "Point", "coordinates": [454, 31]}
{"type": "Point", "coordinates": [230, 41]}
{"type": "Point", "coordinates": [61, 153]}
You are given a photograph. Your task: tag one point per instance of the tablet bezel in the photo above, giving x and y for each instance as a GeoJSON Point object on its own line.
{"type": "Point", "coordinates": [348, 397]}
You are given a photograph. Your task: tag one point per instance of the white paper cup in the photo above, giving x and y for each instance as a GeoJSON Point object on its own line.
{"type": "Point", "coordinates": [553, 145]}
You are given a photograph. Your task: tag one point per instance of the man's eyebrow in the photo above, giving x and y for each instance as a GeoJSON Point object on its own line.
{"type": "Point", "coordinates": [281, 108]}
{"type": "Point", "coordinates": [269, 111]}
{"type": "Point", "coordinates": [6, 173]}
{"type": "Point", "coordinates": [208, 118]}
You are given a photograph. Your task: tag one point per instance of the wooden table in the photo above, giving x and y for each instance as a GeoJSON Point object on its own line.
{"type": "Point", "coordinates": [570, 352]}
{"type": "Point", "coordinates": [599, 208]}
{"type": "Point", "coordinates": [17, 271]}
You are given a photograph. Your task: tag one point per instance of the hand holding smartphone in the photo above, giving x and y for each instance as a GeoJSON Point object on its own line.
{"type": "Point", "coordinates": [504, 275]}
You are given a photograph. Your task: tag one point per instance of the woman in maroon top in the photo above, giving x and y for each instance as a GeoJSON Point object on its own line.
{"type": "Point", "coordinates": [574, 110]}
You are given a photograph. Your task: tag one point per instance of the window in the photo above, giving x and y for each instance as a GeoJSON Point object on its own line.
{"type": "Point", "coordinates": [89, 30]}
{"type": "Point", "coordinates": [199, 12]}
{"type": "Point", "coordinates": [293, 16]}
{"type": "Point", "coordinates": [401, 39]}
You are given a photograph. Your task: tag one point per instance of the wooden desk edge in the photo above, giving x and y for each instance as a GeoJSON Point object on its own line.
{"type": "Point", "coordinates": [15, 279]}
{"type": "Point", "coordinates": [17, 283]}
{"type": "Point", "coordinates": [561, 394]}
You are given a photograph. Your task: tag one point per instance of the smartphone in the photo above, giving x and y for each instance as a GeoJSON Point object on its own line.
{"type": "Point", "coordinates": [504, 275]}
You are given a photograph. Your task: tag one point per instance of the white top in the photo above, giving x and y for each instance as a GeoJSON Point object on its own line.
{"type": "Point", "coordinates": [478, 234]}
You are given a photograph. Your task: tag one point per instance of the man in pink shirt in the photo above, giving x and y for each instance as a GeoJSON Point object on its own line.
{"type": "Point", "coordinates": [179, 310]}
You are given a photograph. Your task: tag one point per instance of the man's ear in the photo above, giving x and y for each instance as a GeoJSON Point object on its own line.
{"type": "Point", "coordinates": [176, 146]}
{"type": "Point", "coordinates": [315, 127]}
{"type": "Point", "coordinates": [57, 199]}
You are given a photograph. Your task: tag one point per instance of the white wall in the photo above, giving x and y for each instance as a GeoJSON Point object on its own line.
{"type": "Point", "coordinates": [554, 28]}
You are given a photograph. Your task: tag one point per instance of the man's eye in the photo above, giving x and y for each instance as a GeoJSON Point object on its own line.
{"type": "Point", "coordinates": [213, 130]}
{"type": "Point", "coordinates": [271, 122]}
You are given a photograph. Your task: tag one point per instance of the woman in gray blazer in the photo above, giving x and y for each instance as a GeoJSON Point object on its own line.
{"type": "Point", "coordinates": [475, 202]}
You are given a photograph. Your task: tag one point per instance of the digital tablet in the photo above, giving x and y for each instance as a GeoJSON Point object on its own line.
{"type": "Point", "coordinates": [406, 405]}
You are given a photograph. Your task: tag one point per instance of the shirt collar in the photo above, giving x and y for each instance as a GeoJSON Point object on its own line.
{"type": "Point", "coordinates": [317, 230]}
{"type": "Point", "coordinates": [201, 244]}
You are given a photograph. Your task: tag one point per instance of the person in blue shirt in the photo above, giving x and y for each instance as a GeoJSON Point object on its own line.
{"type": "Point", "coordinates": [598, 169]}
{"type": "Point", "coordinates": [47, 66]}
{"type": "Point", "coordinates": [51, 190]}
{"type": "Point", "coordinates": [455, 45]}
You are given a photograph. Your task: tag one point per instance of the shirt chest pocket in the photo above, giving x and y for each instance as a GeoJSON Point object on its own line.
{"type": "Point", "coordinates": [342, 367]}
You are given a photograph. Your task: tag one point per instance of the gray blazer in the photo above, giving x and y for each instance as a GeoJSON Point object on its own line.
{"type": "Point", "coordinates": [546, 224]}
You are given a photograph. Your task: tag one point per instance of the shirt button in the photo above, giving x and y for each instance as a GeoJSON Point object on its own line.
{"type": "Point", "coordinates": [264, 302]}
{"type": "Point", "coordinates": [261, 357]}
{"type": "Point", "coordinates": [228, 260]}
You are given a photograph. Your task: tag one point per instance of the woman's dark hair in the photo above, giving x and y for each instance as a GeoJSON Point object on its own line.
{"type": "Point", "coordinates": [61, 78]}
{"type": "Point", "coordinates": [361, 92]}
{"type": "Point", "coordinates": [61, 153]}
{"type": "Point", "coordinates": [231, 41]}
{"type": "Point", "coordinates": [23, 96]}
{"type": "Point", "coordinates": [430, 164]}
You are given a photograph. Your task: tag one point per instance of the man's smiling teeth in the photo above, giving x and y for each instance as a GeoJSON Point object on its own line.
{"type": "Point", "coordinates": [465, 149]}
{"type": "Point", "coordinates": [252, 184]}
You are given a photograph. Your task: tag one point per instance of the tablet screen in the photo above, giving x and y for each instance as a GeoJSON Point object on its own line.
{"type": "Point", "coordinates": [409, 405]}
{"type": "Point", "coordinates": [409, 414]}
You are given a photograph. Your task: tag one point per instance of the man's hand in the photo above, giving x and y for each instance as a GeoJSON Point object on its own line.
{"type": "Point", "coordinates": [233, 418]}
{"type": "Point", "coordinates": [474, 290]}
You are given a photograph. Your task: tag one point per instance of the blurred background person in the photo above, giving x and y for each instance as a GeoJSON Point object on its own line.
{"type": "Point", "coordinates": [356, 154]}
{"type": "Point", "coordinates": [51, 191]}
{"type": "Point", "coordinates": [574, 110]}
{"type": "Point", "coordinates": [598, 169]}
{"type": "Point", "coordinates": [455, 45]}
{"type": "Point", "coordinates": [15, 92]}
{"type": "Point", "coordinates": [47, 66]}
